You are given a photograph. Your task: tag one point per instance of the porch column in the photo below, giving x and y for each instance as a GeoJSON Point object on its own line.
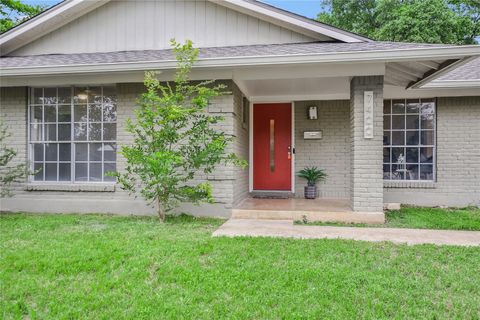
{"type": "Point", "coordinates": [366, 121]}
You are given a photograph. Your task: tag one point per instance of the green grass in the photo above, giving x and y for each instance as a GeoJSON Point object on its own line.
{"type": "Point", "coordinates": [106, 267]}
{"type": "Point", "coordinates": [422, 218]}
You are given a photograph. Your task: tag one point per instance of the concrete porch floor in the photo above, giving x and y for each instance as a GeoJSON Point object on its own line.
{"type": "Point", "coordinates": [321, 209]}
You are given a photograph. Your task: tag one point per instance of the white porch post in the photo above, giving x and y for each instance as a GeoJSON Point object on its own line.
{"type": "Point", "coordinates": [366, 121]}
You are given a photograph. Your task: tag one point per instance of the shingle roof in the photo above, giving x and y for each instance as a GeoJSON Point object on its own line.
{"type": "Point", "coordinates": [51, 60]}
{"type": "Point", "coordinates": [469, 71]}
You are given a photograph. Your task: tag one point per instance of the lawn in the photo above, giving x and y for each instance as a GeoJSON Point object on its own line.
{"type": "Point", "coordinates": [423, 218]}
{"type": "Point", "coordinates": [106, 267]}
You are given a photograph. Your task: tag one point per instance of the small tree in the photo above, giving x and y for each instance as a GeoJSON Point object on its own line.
{"type": "Point", "coordinates": [175, 139]}
{"type": "Point", "coordinates": [8, 173]}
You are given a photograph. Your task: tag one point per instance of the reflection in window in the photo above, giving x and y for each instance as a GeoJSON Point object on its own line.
{"type": "Point", "coordinates": [409, 139]}
{"type": "Point", "coordinates": [73, 133]}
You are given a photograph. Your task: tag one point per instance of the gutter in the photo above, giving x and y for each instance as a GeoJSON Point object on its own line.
{"type": "Point", "coordinates": [475, 83]}
{"type": "Point", "coordinates": [435, 53]}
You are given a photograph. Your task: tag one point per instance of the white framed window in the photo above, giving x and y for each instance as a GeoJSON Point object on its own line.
{"type": "Point", "coordinates": [245, 109]}
{"type": "Point", "coordinates": [72, 133]}
{"type": "Point", "coordinates": [409, 139]}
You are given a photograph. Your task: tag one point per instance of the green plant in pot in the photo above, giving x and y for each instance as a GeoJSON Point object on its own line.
{"type": "Point", "coordinates": [312, 175]}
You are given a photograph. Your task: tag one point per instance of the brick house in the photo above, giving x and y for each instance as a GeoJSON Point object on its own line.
{"type": "Point", "coordinates": [389, 122]}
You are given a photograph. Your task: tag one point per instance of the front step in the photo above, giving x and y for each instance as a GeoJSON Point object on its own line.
{"type": "Point", "coordinates": [310, 216]}
{"type": "Point", "coordinates": [271, 194]}
{"type": "Point", "coordinates": [262, 214]}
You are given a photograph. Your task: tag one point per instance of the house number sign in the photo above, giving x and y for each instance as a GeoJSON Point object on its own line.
{"type": "Point", "coordinates": [368, 114]}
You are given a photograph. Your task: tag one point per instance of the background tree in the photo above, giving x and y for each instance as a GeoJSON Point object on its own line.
{"type": "Point", "coordinates": [8, 173]}
{"type": "Point", "coordinates": [174, 139]}
{"type": "Point", "coordinates": [469, 11]}
{"type": "Point", "coordinates": [13, 12]}
{"type": "Point", "coordinates": [430, 21]}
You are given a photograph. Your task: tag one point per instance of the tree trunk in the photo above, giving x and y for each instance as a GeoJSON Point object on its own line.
{"type": "Point", "coordinates": [161, 212]}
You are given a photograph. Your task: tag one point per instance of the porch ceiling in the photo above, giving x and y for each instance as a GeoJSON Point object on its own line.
{"type": "Point", "coordinates": [298, 89]}
{"type": "Point", "coordinates": [332, 81]}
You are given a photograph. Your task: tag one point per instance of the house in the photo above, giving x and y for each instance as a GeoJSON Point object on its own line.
{"type": "Point", "coordinates": [389, 122]}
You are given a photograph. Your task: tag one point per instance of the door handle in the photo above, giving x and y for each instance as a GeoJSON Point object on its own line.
{"type": "Point", "coordinates": [272, 145]}
{"type": "Point", "coordinates": [289, 152]}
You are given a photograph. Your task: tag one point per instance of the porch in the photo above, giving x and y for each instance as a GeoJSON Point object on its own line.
{"type": "Point", "coordinates": [320, 209]}
{"type": "Point", "coordinates": [341, 135]}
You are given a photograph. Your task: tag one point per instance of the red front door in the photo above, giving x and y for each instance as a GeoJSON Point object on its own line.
{"type": "Point", "coordinates": [272, 143]}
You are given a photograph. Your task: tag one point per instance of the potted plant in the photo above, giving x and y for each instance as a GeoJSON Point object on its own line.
{"type": "Point", "coordinates": [312, 175]}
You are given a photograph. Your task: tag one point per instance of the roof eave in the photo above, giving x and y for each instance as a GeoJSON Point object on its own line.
{"type": "Point", "coordinates": [443, 69]}
{"type": "Point", "coordinates": [453, 52]}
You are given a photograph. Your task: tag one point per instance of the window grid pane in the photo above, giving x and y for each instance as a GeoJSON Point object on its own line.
{"type": "Point", "coordinates": [72, 133]}
{"type": "Point", "coordinates": [409, 139]}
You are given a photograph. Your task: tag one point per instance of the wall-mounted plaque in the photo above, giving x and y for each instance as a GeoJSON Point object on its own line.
{"type": "Point", "coordinates": [368, 114]}
{"type": "Point", "coordinates": [312, 135]}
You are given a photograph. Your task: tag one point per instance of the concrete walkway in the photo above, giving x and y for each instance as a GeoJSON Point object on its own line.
{"type": "Point", "coordinates": [286, 229]}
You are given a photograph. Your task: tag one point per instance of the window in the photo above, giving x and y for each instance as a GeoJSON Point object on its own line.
{"type": "Point", "coordinates": [72, 133]}
{"type": "Point", "coordinates": [409, 139]}
{"type": "Point", "coordinates": [245, 109]}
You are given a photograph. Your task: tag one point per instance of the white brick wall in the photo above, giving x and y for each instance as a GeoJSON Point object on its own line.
{"type": "Point", "coordinates": [366, 154]}
{"type": "Point", "coordinates": [331, 153]}
{"type": "Point", "coordinates": [458, 158]}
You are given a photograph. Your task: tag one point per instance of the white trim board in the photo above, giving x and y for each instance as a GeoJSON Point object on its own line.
{"type": "Point", "coordinates": [293, 154]}
{"type": "Point", "coordinates": [475, 83]}
{"type": "Point", "coordinates": [250, 147]}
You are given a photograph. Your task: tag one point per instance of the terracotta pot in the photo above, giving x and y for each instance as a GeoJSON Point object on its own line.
{"type": "Point", "coordinates": [310, 192]}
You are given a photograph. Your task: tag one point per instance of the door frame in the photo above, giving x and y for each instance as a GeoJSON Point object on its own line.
{"type": "Point", "coordinates": [250, 142]}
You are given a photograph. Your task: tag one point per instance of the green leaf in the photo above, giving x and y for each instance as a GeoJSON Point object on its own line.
{"type": "Point", "coordinates": [432, 21]}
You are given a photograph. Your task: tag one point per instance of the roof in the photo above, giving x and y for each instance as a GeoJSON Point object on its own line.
{"type": "Point", "coordinates": [468, 71]}
{"type": "Point", "coordinates": [465, 75]}
{"type": "Point", "coordinates": [210, 53]}
{"type": "Point", "coordinates": [411, 64]}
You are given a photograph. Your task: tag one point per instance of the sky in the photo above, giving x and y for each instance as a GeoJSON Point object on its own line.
{"type": "Point", "coordinates": [307, 8]}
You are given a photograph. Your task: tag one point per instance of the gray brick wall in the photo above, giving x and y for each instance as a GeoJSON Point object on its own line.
{"type": "Point", "coordinates": [366, 188]}
{"type": "Point", "coordinates": [228, 182]}
{"type": "Point", "coordinates": [458, 159]}
{"type": "Point", "coordinates": [331, 153]}
{"type": "Point", "coordinates": [241, 146]}
{"type": "Point", "coordinates": [352, 162]}
{"type": "Point", "coordinates": [13, 113]}
{"type": "Point", "coordinates": [13, 109]}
